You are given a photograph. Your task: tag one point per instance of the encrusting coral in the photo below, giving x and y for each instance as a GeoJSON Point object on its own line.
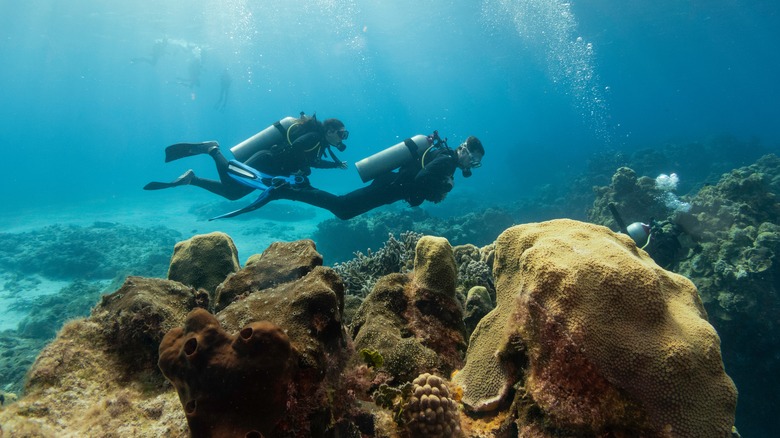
{"type": "Point", "coordinates": [598, 338]}
{"type": "Point", "coordinates": [229, 386]}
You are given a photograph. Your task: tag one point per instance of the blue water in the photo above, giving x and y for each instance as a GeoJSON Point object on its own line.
{"type": "Point", "coordinates": [544, 84]}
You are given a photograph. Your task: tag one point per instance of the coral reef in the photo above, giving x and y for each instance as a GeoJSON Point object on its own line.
{"type": "Point", "coordinates": [588, 337]}
{"type": "Point", "coordinates": [96, 380]}
{"type": "Point", "coordinates": [135, 318]}
{"type": "Point", "coordinates": [362, 272]}
{"type": "Point", "coordinates": [727, 244]}
{"type": "Point", "coordinates": [414, 321]}
{"type": "Point", "coordinates": [478, 304]}
{"type": "Point", "coordinates": [370, 230]}
{"type": "Point", "coordinates": [308, 308]}
{"type": "Point", "coordinates": [203, 261]}
{"type": "Point", "coordinates": [279, 263]}
{"type": "Point", "coordinates": [735, 266]}
{"type": "Point", "coordinates": [637, 199]}
{"type": "Point", "coordinates": [229, 386]}
{"type": "Point", "coordinates": [103, 250]}
{"type": "Point", "coordinates": [599, 338]}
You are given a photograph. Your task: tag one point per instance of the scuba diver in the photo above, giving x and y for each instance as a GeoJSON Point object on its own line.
{"type": "Point", "coordinates": [283, 153]}
{"type": "Point", "coordinates": [658, 238]}
{"type": "Point", "coordinates": [426, 166]}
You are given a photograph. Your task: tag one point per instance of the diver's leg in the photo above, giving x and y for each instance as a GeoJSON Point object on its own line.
{"type": "Point", "coordinates": [365, 199]}
{"type": "Point", "coordinates": [343, 207]}
{"type": "Point", "coordinates": [181, 150]}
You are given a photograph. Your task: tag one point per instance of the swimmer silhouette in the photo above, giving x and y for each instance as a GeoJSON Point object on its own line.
{"type": "Point", "coordinates": [158, 50]}
{"type": "Point", "coordinates": [224, 89]}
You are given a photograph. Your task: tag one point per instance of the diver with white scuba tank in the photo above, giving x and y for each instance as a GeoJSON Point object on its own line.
{"type": "Point", "coordinates": [425, 169]}
{"type": "Point", "coordinates": [283, 153]}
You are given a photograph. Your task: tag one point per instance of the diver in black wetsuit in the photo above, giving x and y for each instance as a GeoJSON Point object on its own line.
{"type": "Point", "coordinates": [428, 177]}
{"type": "Point", "coordinates": [302, 146]}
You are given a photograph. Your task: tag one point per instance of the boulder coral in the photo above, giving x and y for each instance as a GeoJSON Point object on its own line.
{"type": "Point", "coordinates": [597, 338]}
{"type": "Point", "coordinates": [414, 321]}
{"type": "Point", "coordinates": [279, 263]}
{"type": "Point", "coordinates": [228, 385]}
{"type": "Point", "coordinates": [203, 261]}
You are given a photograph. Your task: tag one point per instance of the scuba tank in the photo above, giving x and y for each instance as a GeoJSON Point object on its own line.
{"type": "Point", "coordinates": [272, 135]}
{"type": "Point", "coordinates": [392, 158]}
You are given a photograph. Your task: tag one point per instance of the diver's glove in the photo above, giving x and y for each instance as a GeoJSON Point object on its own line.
{"type": "Point", "coordinates": [343, 165]}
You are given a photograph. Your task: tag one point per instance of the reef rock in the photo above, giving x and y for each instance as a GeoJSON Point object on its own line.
{"type": "Point", "coordinates": [99, 376]}
{"type": "Point", "coordinates": [136, 317]}
{"type": "Point", "coordinates": [414, 321]}
{"type": "Point", "coordinates": [308, 308]}
{"type": "Point", "coordinates": [279, 263]}
{"type": "Point", "coordinates": [598, 340]}
{"type": "Point", "coordinates": [306, 301]}
{"type": "Point", "coordinates": [635, 198]}
{"type": "Point", "coordinates": [204, 261]}
{"type": "Point", "coordinates": [230, 386]}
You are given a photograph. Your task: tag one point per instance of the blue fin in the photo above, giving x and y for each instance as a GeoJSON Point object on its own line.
{"type": "Point", "coordinates": [261, 200]}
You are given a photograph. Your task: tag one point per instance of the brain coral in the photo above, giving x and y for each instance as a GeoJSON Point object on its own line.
{"type": "Point", "coordinates": [610, 341]}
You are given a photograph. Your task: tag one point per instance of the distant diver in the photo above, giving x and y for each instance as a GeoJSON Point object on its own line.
{"type": "Point", "coordinates": [159, 48]}
{"type": "Point", "coordinates": [194, 67]}
{"type": "Point", "coordinates": [225, 80]}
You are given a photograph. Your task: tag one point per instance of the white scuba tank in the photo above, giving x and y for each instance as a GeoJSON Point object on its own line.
{"type": "Point", "coordinates": [262, 140]}
{"type": "Point", "coordinates": [391, 158]}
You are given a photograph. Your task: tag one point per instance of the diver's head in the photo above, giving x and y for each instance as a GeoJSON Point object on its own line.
{"type": "Point", "coordinates": [335, 133]}
{"type": "Point", "coordinates": [470, 154]}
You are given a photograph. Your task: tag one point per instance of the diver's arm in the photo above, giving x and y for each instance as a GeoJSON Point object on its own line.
{"type": "Point", "coordinates": [319, 163]}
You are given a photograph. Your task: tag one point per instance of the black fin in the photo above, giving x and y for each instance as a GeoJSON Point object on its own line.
{"type": "Point", "coordinates": [182, 150]}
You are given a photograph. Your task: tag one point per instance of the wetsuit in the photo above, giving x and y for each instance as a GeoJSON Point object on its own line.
{"type": "Point", "coordinates": [412, 183]}
{"type": "Point", "coordinates": [306, 151]}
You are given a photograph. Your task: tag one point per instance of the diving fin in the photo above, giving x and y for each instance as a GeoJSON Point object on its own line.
{"type": "Point", "coordinates": [264, 198]}
{"type": "Point", "coordinates": [180, 181]}
{"type": "Point", "coordinates": [182, 150]}
{"type": "Point", "coordinates": [248, 175]}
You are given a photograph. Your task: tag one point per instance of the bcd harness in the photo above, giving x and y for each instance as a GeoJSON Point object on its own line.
{"type": "Point", "coordinates": [286, 135]}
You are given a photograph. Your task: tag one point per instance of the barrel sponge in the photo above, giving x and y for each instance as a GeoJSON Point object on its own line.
{"type": "Point", "coordinates": [229, 385]}
{"type": "Point", "coordinates": [434, 265]}
{"type": "Point", "coordinates": [612, 341]}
